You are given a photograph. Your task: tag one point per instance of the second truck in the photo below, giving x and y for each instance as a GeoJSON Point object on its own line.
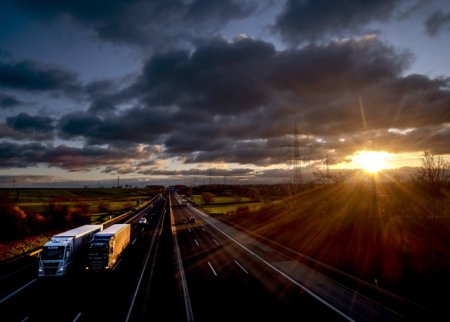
{"type": "Point", "coordinates": [107, 247]}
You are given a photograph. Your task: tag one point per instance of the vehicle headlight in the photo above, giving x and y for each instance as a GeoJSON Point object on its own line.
{"type": "Point", "coordinates": [41, 270]}
{"type": "Point", "coordinates": [61, 269]}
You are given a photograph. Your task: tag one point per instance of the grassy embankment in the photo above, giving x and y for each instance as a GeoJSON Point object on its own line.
{"type": "Point", "coordinates": [394, 233]}
{"type": "Point", "coordinates": [229, 204]}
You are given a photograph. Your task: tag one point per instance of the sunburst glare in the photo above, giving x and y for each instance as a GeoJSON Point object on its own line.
{"type": "Point", "coordinates": [371, 161]}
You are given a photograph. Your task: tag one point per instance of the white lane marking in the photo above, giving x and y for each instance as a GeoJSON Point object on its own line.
{"type": "Point", "coordinates": [238, 264]}
{"type": "Point", "coordinates": [216, 242]}
{"type": "Point", "coordinates": [203, 229]}
{"type": "Point", "coordinates": [77, 317]}
{"type": "Point", "coordinates": [190, 230]}
{"type": "Point", "coordinates": [25, 319]}
{"type": "Point", "coordinates": [17, 271]}
{"type": "Point", "coordinates": [307, 290]}
{"type": "Point", "coordinates": [212, 268]}
{"type": "Point", "coordinates": [117, 265]}
{"type": "Point", "coordinates": [133, 241]}
{"type": "Point", "coordinates": [17, 291]}
{"type": "Point", "coordinates": [196, 242]}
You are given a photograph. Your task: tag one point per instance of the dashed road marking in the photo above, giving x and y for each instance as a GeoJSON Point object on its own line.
{"type": "Point", "coordinates": [77, 317]}
{"type": "Point", "coordinates": [17, 291]}
{"type": "Point", "coordinates": [240, 266]}
{"type": "Point", "coordinates": [212, 268]}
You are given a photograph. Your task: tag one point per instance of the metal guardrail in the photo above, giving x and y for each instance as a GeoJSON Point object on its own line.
{"type": "Point", "coordinates": [128, 213]}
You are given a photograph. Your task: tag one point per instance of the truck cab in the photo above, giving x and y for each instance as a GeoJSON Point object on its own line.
{"type": "Point", "coordinates": [100, 252]}
{"type": "Point", "coordinates": [55, 257]}
{"type": "Point", "coordinates": [107, 246]}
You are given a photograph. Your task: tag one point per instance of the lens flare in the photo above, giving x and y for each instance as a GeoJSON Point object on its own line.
{"type": "Point", "coordinates": [370, 161]}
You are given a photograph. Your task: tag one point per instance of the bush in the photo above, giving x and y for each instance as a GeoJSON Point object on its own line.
{"type": "Point", "coordinates": [36, 223]}
{"type": "Point", "coordinates": [103, 207]}
{"type": "Point", "coordinates": [76, 217]}
{"type": "Point", "coordinates": [207, 198]}
{"type": "Point", "coordinates": [12, 223]}
{"type": "Point", "coordinates": [55, 214]}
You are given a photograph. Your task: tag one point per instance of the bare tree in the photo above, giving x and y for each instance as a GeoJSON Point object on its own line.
{"type": "Point", "coordinates": [434, 173]}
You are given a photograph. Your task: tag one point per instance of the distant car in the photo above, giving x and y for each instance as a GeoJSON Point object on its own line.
{"type": "Point", "coordinates": [143, 221]}
{"type": "Point", "coordinates": [192, 220]}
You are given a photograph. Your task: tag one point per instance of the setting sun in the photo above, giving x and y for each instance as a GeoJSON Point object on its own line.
{"type": "Point", "coordinates": [371, 161]}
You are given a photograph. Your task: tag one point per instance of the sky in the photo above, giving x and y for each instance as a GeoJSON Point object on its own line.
{"type": "Point", "coordinates": [168, 91]}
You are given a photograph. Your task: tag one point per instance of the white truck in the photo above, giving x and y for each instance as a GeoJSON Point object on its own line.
{"type": "Point", "coordinates": [64, 250]}
{"type": "Point", "coordinates": [107, 246]}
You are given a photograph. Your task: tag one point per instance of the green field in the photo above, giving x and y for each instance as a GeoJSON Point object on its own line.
{"type": "Point", "coordinates": [76, 194]}
{"type": "Point", "coordinates": [229, 208]}
{"type": "Point", "coordinates": [223, 200]}
{"type": "Point", "coordinates": [116, 199]}
{"type": "Point", "coordinates": [229, 205]}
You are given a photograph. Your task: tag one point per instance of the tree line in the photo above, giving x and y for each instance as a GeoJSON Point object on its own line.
{"type": "Point", "coordinates": [16, 223]}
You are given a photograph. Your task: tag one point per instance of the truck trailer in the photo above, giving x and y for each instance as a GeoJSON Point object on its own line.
{"type": "Point", "coordinates": [65, 250]}
{"type": "Point", "coordinates": [107, 246]}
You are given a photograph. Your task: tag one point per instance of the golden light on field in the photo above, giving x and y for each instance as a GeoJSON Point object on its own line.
{"type": "Point", "coordinates": [370, 161]}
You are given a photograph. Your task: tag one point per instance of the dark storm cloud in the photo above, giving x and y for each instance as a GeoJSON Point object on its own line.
{"type": "Point", "coordinates": [437, 22]}
{"type": "Point", "coordinates": [106, 95]}
{"type": "Point", "coordinates": [35, 77]}
{"type": "Point", "coordinates": [31, 127]}
{"type": "Point", "coordinates": [69, 158]}
{"type": "Point", "coordinates": [136, 125]}
{"type": "Point", "coordinates": [77, 124]}
{"type": "Point", "coordinates": [219, 77]}
{"type": "Point", "coordinates": [232, 101]}
{"type": "Point", "coordinates": [8, 132]}
{"type": "Point", "coordinates": [20, 155]}
{"type": "Point", "coordinates": [8, 101]}
{"type": "Point", "coordinates": [156, 23]}
{"type": "Point", "coordinates": [211, 172]}
{"type": "Point", "coordinates": [26, 122]}
{"type": "Point", "coordinates": [249, 79]}
{"type": "Point", "coordinates": [76, 159]}
{"type": "Point", "coordinates": [306, 20]}
{"type": "Point", "coordinates": [101, 93]}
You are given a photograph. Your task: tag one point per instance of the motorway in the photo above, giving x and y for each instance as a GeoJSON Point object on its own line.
{"type": "Point", "coordinates": [231, 276]}
{"type": "Point", "coordinates": [85, 297]}
{"type": "Point", "coordinates": [225, 283]}
{"type": "Point", "coordinates": [185, 265]}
